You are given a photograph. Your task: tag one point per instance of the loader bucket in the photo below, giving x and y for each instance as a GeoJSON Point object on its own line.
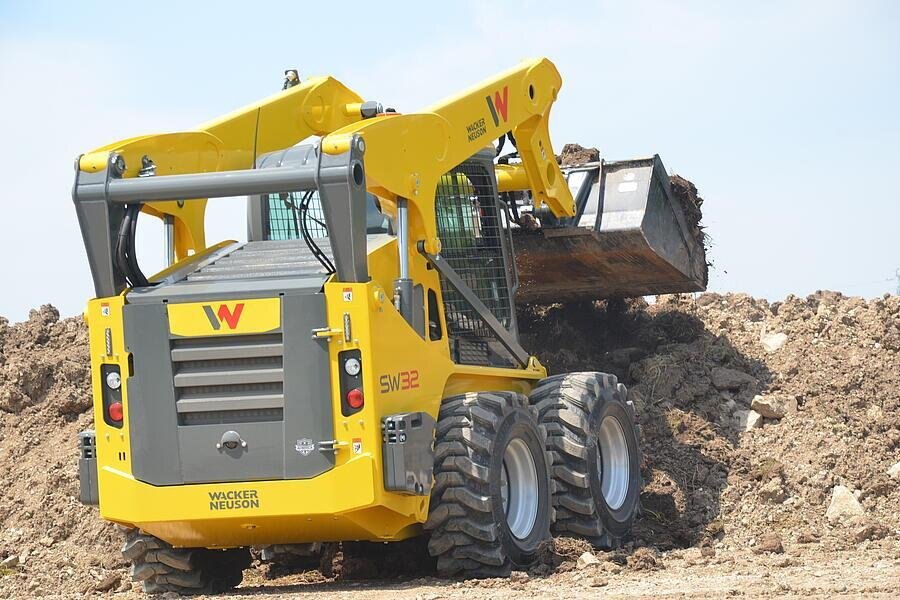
{"type": "Point", "coordinates": [630, 237]}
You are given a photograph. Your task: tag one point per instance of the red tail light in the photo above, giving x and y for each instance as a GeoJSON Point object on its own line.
{"type": "Point", "coordinates": [355, 398]}
{"type": "Point", "coordinates": [114, 411]}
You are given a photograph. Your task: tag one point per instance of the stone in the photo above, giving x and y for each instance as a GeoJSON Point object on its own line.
{"type": "Point", "coordinates": [894, 471]}
{"type": "Point", "coordinates": [843, 506]}
{"type": "Point", "coordinates": [773, 492]}
{"type": "Point", "coordinates": [109, 582]}
{"type": "Point", "coordinates": [749, 419]}
{"type": "Point", "coordinates": [724, 378]}
{"type": "Point", "coordinates": [587, 559]}
{"type": "Point", "coordinates": [864, 530]}
{"type": "Point", "coordinates": [807, 537]}
{"type": "Point", "coordinates": [518, 576]}
{"type": "Point", "coordinates": [46, 541]}
{"type": "Point", "coordinates": [774, 406]}
{"type": "Point", "coordinates": [769, 543]}
{"type": "Point", "coordinates": [9, 562]}
{"type": "Point", "coordinates": [773, 341]}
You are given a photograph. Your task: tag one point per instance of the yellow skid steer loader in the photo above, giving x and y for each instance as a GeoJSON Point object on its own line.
{"type": "Point", "coordinates": [352, 371]}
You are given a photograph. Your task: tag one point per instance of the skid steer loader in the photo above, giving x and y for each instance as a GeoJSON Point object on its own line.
{"type": "Point", "coordinates": [352, 371]}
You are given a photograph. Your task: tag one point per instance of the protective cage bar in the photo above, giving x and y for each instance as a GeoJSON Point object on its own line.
{"type": "Point", "coordinates": [475, 279]}
{"type": "Point", "coordinates": [337, 180]}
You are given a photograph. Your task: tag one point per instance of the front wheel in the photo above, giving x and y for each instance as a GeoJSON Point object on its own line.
{"type": "Point", "coordinates": [593, 438]}
{"type": "Point", "coordinates": [491, 505]}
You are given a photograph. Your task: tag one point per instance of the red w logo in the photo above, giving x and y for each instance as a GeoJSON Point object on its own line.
{"type": "Point", "coordinates": [499, 105]}
{"type": "Point", "coordinates": [230, 317]}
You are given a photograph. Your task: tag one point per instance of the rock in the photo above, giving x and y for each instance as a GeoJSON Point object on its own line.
{"type": "Point", "coordinates": [772, 341]}
{"type": "Point", "coordinates": [774, 406]}
{"type": "Point", "coordinates": [807, 537]}
{"type": "Point", "coordinates": [587, 559]}
{"type": "Point", "coordinates": [46, 541]}
{"type": "Point", "coordinates": [9, 562]}
{"type": "Point", "coordinates": [599, 581]}
{"type": "Point", "coordinates": [707, 552]}
{"type": "Point", "coordinates": [519, 576]}
{"type": "Point", "coordinates": [773, 492]}
{"type": "Point", "coordinates": [749, 419]}
{"type": "Point", "coordinates": [644, 559]}
{"type": "Point", "coordinates": [724, 378]}
{"type": "Point", "coordinates": [843, 506]}
{"type": "Point", "coordinates": [769, 543]}
{"type": "Point", "coordinates": [109, 582]}
{"type": "Point", "coordinates": [864, 530]}
{"type": "Point", "coordinates": [894, 471]}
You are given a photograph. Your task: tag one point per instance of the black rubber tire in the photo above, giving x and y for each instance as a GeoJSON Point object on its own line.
{"type": "Point", "coordinates": [186, 571]}
{"type": "Point", "coordinates": [571, 408]}
{"type": "Point", "coordinates": [469, 533]}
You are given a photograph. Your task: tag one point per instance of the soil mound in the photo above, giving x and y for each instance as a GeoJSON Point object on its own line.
{"type": "Point", "coordinates": [59, 545]}
{"type": "Point", "coordinates": [811, 468]}
{"type": "Point", "coordinates": [695, 367]}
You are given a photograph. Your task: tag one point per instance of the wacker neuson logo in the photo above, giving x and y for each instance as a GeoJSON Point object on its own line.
{"type": "Point", "coordinates": [233, 500]}
{"type": "Point", "coordinates": [231, 317]}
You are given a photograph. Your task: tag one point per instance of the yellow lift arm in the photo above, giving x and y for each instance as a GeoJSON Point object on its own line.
{"type": "Point", "coordinates": [231, 142]}
{"type": "Point", "coordinates": [406, 155]}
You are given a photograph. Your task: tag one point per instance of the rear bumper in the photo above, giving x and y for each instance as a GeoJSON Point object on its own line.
{"type": "Point", "coordinates": [345, 503]}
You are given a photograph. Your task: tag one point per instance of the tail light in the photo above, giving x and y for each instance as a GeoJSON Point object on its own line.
{"type": "Point", "coordinates": [112, 394]}
{"type": "Point", "coordinates": [355, 399]}
{"type": "Point", "coordinates": [115, 412]}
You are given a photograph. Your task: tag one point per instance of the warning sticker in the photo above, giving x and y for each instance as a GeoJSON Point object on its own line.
{"type": "Point", "coordinates": [348, 294]}
{"type": "Point", "coordinates": [357, 446]}
{"type": "Point", "coordinates": [104, 309]}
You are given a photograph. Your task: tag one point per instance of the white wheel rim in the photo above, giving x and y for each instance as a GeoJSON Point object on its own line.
{"type": "Point", "coordinates": [613, 464]}
{"type": "Point", "coordinates": [519, 488]}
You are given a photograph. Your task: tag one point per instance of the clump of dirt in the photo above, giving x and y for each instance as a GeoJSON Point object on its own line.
{"type": "Point", "coordinates": [576, 154]}
{"type": "Point", "coordinates": [59, 545]}
{"type": "Point", "coordinates": [685, 195]}
{"type": "Point", "coordinates": [694, 367]}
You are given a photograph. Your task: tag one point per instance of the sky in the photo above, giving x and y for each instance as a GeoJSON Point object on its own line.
{"type": "Point", "coordinates": [784, 114]}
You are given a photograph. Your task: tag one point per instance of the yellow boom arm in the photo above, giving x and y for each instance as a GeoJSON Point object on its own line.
{"type": "Point", "coordinates": [406, 155]}
{"type": "Point", "coordinates": [315, 107]}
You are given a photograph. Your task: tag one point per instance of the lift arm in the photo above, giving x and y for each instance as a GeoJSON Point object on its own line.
{"type": "Point", "coordinates": [406, 155]}
{"type": "Point", "coordinates": [231, 142]}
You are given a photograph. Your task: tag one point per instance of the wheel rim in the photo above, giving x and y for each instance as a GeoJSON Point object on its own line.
{"type": "Point", "coordinates": [519, 488]}
{"type": "Point", "coordinates": [613, 464]}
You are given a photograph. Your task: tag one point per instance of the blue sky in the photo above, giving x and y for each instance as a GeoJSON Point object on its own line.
{"type": "Point", "coordinates": [784, 114]}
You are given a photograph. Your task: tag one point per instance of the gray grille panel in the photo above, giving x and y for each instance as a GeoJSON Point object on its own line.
{"type": "Point", "coordinates": [240, 375]}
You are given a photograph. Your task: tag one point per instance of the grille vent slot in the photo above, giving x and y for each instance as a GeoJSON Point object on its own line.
{"type": "Point", "coordinates": [228, 379]}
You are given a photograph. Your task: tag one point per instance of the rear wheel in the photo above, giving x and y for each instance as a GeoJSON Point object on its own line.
{"type": "Point", "coordinates": [162, 568]}
{"type": "Point", "coordinates": [491, 505]}
{"type": "Point", "coordinates": [593, 439]}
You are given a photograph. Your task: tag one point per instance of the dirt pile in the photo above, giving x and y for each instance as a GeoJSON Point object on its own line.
{"type": "Point", "coordinates": [53, 543]}
{"type": "Point", "coordinates": [811, 479]}
{"type": "Point", "coordinates": [830, 364]}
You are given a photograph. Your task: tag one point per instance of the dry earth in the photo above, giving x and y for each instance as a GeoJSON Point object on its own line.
{"type": "Point", "coordinates": [728, 508]}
